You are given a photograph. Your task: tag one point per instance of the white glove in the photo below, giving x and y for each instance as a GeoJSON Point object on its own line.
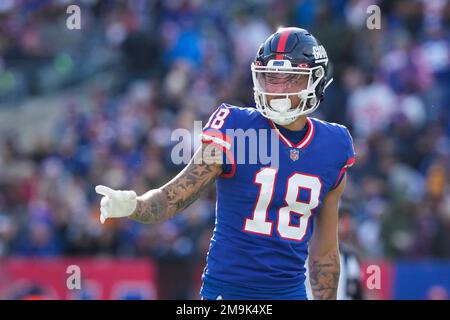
{"type": "Point", "coordinates": [116, 203]}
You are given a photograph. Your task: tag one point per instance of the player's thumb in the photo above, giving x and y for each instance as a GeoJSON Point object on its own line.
{"type": "Point", "coordinates": [105, 191]}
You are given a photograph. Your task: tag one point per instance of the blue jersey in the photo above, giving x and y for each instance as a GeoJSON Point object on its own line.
{"type": "Point", "coordinates": [265, 209]}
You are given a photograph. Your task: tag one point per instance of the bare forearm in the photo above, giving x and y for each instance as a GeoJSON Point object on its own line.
{"type": "Point", "coordinates": [324, 275]}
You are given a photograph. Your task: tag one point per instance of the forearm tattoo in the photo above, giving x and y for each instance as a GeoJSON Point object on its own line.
{"type": "Point", "coordinates": [163, 203]}
{"type": "Point", "coordinates": [324, 276]}
{"type": "Point", "coordinates": [151, 207]}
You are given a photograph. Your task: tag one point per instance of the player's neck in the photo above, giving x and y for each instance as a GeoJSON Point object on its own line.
{"type": "Point", "coordinates": [297, 125]}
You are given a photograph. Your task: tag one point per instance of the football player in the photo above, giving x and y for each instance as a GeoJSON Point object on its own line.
{"type": "Point", "coordinates": [269, 218]}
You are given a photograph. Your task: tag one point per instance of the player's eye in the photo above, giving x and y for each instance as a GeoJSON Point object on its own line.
{"type": "Point", "coordinates": [277, 78]}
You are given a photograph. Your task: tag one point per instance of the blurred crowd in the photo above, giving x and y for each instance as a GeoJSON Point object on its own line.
{"type": "Point", "coordinates": [172, 62]}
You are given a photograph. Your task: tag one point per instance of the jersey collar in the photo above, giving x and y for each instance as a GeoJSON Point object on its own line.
{"type": "Point", "coordinates": [303, 143]}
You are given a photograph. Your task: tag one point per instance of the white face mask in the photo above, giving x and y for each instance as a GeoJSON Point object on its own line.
{"type": "Point", "coordinates": [281, 80]}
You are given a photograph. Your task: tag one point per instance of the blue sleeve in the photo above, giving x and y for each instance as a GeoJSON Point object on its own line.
{"type": "Point", "coordinates": [350, 156]}
{"type": "Point", "coordinates": [217, 132]}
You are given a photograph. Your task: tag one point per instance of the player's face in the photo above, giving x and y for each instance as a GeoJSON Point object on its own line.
{"type": "Point", "coordinates": [283, 83]}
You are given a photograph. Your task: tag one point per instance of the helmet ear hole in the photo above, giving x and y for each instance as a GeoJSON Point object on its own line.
{"type": "Point", "coordinates": [318, 73]}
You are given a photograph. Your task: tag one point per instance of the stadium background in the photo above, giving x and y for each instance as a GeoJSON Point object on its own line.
{"type": "Point", "coordinates": [98, 105]}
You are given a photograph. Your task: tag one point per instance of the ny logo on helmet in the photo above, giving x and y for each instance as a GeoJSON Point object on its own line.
{"type": "Point", "coordinates": [319, 52]}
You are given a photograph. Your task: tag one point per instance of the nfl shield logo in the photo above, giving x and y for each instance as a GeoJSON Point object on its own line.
{"type": "Point", "coordinates": [294, 154]}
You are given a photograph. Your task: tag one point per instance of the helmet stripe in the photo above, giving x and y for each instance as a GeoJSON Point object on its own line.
{"type": "Point", "coordinates": [282, 44]}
